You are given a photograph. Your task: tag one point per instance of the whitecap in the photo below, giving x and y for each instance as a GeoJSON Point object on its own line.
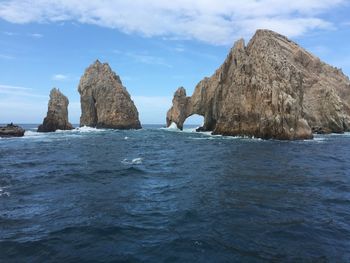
{"type": "Point", "coordinates": [3, 193]}
{"type": "Point", "coordinates": [190, 130]}
{"type": "Point", "coordinates": [135, 161]}
{"type": "Point", "coordinates": [126, 138]}
{"type": "Point", "coordinates": [86, 129]}
{"type": "Point", "coordinates": [33, 134]}
{"type": "Point", "coordinates": [172, 127]}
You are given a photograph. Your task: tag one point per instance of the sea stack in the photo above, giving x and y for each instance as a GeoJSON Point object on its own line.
{"type": "Point", "coordinates": [105, 102]}
{"type": "Point", "coordinates": [57, 113]}
{"type": "Point", "coordinates": [271, 88]}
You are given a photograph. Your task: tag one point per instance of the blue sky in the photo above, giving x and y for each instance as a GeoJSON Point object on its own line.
{"type": "Point", "coordinates": [154, 46]}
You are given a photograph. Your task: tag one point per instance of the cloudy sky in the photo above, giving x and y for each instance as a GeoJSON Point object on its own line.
{"type": "Point", "coordinates": [154, 45]}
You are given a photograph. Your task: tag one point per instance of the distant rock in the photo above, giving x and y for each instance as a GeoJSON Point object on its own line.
{"type": "Point", "coordinates": [271, 88]}
{"type": "Point", "coordinates": [11, 131]}
{"type": "Point", "coordinates": [105, 102]}
{"type": "Point", "coordinates": [57, 113]}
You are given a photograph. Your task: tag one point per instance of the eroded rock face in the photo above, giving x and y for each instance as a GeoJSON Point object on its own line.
{"type": "Point", "coordinates": [271, 88]}
{"type": "Point", "coordinates": [11, 130]}
{"type": "Point", "coordinates": [105, 102]}
{"type": "Point", "coordinates": [57, 113]}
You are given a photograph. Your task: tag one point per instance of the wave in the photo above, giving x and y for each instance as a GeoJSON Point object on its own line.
{"type": "Point", "coordinates": [34, 134]}
{"type": "Point", "coordinates": [86, 129]}
{"type": "Point", "coordinates": [3, 192]}
{"type": "Point", "coordinates": [135, 161]}
{"type": "Point", "coordinates": [172, 127]}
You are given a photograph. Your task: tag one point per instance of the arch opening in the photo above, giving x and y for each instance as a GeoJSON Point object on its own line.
{"type": "Point", "coordinates": [194, 121]}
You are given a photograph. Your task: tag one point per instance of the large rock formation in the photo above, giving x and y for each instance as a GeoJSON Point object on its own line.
{"type": "Point", "coordinates": [271, 88]}
{"type": "Point", "coordinates": [57, 113]}
{"type": "Point", "coordinates": [11, 130]}
{"type": "Point", "coordinates": [105, 103]}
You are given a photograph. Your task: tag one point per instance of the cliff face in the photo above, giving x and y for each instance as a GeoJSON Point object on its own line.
{"type": "Point", "coordinates": [105, 103]}
{"type": "Point", "coordinates": [57, 113]}
{"type": "Point", "coordinates": [271, 88]}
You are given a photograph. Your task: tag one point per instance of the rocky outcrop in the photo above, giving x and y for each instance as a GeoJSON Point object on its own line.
{"type": "Point", "coordinates": [11, 131]}
{"type": "Point", "coordinates": [105, 102]}
{"type": "Point", "coordinates": [57, 113]}
{"type": "Point", "coordinates": [271, 88]}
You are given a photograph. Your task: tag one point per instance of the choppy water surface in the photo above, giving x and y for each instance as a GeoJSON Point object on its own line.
{"type": "Point", "coordinates": [157, 195]}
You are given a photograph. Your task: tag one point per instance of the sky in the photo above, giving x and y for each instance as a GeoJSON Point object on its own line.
{"type": "Point", "coordinates": [155, 46]}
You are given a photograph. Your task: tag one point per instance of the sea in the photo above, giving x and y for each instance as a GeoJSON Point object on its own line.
{"type": "Point", "coordinates": [165, 195]}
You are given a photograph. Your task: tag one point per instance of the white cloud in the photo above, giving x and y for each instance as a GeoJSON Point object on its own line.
{"type": "Point", "coordinates": [5, 56]}
{"type": "Point", "coordinates": [215, 22]}
{"type": "Point", "coordinates": [35, 35]}
{"type": "Point", "coordinates": [147, 59]}
{"type": "Point", "coordinates": [7, 33]}
{"type": "Point", "coordinates": [10, 87]}
{"type": "Point", "coordinates": [18, 91]}
{"type": "Point", "coordinates": [59, 77]}
{"type": "Point", "coordinates": [143, 57]}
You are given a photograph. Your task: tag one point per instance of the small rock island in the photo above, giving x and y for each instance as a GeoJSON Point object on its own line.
{"type": "Point", "coordinates": [57, 113]}
{"type": "Point", "coordinates": [11, 130]}
{"type": "Point", "coordinates": [105, 102]}
{"type": "Point", "coordinates": [271, 88]}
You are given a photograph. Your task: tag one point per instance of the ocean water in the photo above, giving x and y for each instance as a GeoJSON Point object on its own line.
{"type": "Point", "coordinates": [161, 195]}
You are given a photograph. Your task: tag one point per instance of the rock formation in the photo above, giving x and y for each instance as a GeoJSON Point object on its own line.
{"type": "Point", "coordinates": [57, 113]}
{"type": "Point", "coordinates": [105, 102]}
{"type": "Point", "coordinates": [271, 88]}
{"type": "Point", "coordinates": [11, 131]}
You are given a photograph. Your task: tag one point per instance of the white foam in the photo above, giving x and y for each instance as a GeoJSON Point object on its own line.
{"type": "Point", "coordinates": [345, 134]}
{"type": "Point", "coordinates": [33, 134]}
{"type": "Point", "coordinates": [190, 130]}
{"type": "Point", "coordinates": [126, 138]}
{"type": "Point", "coordinates": [172, 127]}
{"type": "Point", "coordinates": [135, 161]}
{"type": "Point", "coordinates": [319, 139]}
{"type": "Point", "coordinates": [3, 193]}
{"type": "Point", "coordinates": [86, 129]}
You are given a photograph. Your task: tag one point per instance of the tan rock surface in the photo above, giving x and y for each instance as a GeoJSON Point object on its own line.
{"type": "Point", "coordinates": [105, 102]}
{"type": "Point", "coordinates": [57, 113]}
{"type": "Point", "coordinates": [271, 88]}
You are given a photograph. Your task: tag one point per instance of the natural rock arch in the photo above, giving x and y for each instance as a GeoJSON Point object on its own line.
{"type": "Point", "coordinates": [271, 88]}
{"type": "Point", "coordinates": [184, 107]}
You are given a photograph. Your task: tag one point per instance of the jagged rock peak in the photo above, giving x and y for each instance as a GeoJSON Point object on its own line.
{"type": "Point", "coordinates": [271, 88]}
{"type": "Point", "coordinates": [105, 102]}
{"type": "Point", "coordinates": [57, 113]}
